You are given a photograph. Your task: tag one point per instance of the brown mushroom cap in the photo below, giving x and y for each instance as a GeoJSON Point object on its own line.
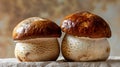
{"type": "Point", "coordinates": [86, 24]}
{"type": "Point", "coordinates": [36, 27]}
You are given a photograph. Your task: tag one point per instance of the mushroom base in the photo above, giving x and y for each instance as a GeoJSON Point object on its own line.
{"type": "Point", "coordinates": [85, 49]}
{"type": "Point", "coordinates": [43, 49]}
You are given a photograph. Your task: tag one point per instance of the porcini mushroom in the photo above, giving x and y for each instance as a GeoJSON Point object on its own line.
{"type": "Point", "coordinates": [36, 40]}
{"type": "Point", "coordinates": [85, 38]}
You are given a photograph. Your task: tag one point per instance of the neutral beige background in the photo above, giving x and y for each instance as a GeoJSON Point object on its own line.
{"type": "Point", "coordinates": [13, 11]}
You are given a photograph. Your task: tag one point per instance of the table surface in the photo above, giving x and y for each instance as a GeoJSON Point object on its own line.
{"type": "Point", "coordinates": [113, 61]}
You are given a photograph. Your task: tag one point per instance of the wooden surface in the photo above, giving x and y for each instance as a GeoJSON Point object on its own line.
{"type": "Point", "coordinates": [13, 62]}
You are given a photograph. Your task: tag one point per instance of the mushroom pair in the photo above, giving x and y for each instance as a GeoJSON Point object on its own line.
{"type": "Point", "coordinates": [85, 38]}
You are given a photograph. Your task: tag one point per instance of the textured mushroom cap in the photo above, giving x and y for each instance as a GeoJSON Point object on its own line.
{"type": "Point", "coordinates": [86, 24]}
{"type": "Point", "coordinates": [36, 27]}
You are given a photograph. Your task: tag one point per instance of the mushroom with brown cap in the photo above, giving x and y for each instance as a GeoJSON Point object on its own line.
{"type": "Point", "coordinates": [86, 37]}
{"type": "Point", "coordinates": [36, 40]}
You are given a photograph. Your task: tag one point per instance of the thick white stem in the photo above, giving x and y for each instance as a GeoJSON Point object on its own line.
{"type": "Point", "coordinates": [43, 49]}
{"type": "Point", "coordinates": [85, 49]}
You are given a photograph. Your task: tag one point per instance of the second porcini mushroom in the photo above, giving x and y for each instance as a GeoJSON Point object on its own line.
{"type": "Point", "coordinates": [36, 40]}
{"type": "Point", "coordinates": [85, 38]}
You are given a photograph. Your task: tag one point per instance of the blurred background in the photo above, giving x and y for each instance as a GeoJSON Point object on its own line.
{"type": "Point", "coordinates": [14, 11]}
